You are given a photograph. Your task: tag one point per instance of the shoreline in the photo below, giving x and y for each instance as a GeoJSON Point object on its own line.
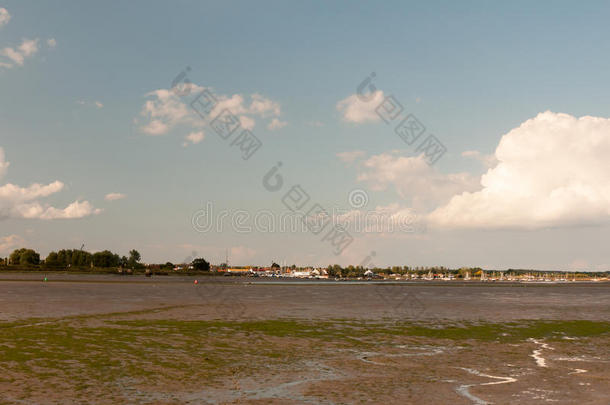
{"type": "Point", "coordinates": [65, 276]}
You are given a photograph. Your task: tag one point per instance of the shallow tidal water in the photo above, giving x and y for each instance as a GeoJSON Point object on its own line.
{"type": "Point", "coordinates": [26, 296]}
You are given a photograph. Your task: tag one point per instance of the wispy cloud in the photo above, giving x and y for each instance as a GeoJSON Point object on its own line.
{"type": "Point", "coordinates": [10, 242]}
{"type": "Point", "coordinates": [96, 103]}
{"type": "Point", "coordinates": [114, 196]}
{"type": "Point", "coordinates": [193, 138]}
{"type": "Point", "coordinates": [422, 185]}
{"type": "Point", "coordinates": [276, 124]}
{"type": "Point", "coordinates": [351, 156]}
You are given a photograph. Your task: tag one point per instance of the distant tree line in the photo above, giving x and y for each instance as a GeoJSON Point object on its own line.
{"type": "Point", "coordinates": [73, 258]}
{"type": "Point", "coordinates": [81, 259]}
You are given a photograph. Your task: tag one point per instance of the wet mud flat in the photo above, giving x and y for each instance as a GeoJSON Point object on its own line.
{"type": "Point", "coordinates": [173, 342]}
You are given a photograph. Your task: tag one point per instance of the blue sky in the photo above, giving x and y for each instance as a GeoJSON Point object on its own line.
{"type": "Point", "coordinates": [470, 72]}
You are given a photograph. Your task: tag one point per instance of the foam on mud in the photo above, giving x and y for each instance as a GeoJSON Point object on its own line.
{"type": "Point", "coordinates": [464, 389]}
{"type": "Point", "coordinates": [536, 354]}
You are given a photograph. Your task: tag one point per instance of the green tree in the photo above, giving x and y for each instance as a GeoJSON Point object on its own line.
{"type": "Point", "coordinates": [25, 257]}
{"type": "Point", "coordinates": [80, 258]}
{"type": "Point", "coordinates": [15, 257]}
{"type": "Point", "coordinates": [69, 257]}
{"type": "Point", "coordinates": [200, 264]}
{"type": "Point", "coordinates": [334, 270]}
{"type": "Point", "coordinates": [52, 260]}
{"type": "Point", "coordinates": [106, 259]}
{"type": "Point", "coordinates": [463, 271]}
{"type": "Point", "coordinates": [134, 258]}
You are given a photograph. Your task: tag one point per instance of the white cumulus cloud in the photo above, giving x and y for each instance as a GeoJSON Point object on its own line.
{"type": "Point", "coordinates": [246, 122]}
{"type": "Point", "coordinates": [165, 110]}
{"type": "Point", "coordinates": [5, 17]}
{"type": "Point", "coordinates": [155, 127]}
{"type": "Point", "coordinates": [78, 209]}
{"type": "Point", "coordinates": [553, 170]}
{"type": "Point", "coordinates": [264, 107]}
{"type": "Point", "coordinates": [23, 202]}
{"type": "Point", "coordinates": [357, 111]}
{"type": "Point", "coordinates": [17, 56]}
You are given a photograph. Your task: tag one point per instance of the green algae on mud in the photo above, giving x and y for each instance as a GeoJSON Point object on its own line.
{"type": "Point", "coordinates": [104, 356]}
{"type": "Point", "coordinates": [62, 338]}
{"type": "Point", "coordinates": [508, 331]}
